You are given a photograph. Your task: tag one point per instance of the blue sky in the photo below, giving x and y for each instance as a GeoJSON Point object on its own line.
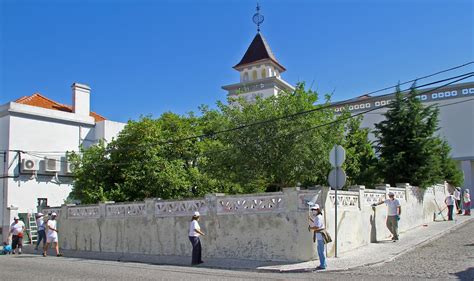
{"type": "Point", "coordinates": [148, 57]}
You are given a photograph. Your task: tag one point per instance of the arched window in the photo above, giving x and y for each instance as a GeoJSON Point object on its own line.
{"type": "Point", "coordinates": [246, 76]}
{"type": "Point", "coordinates": [264, 73]}
{"type": "Point", "coordinates": [254, 75]}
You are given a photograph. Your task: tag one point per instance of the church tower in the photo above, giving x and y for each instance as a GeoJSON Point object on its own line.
{"type": "Point", "coordinates": [260, 72]}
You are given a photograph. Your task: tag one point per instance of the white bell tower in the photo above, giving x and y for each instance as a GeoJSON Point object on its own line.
{"type": "Point", "coordinates": [260, 72]}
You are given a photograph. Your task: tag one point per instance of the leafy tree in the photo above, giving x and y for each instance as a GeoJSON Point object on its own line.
{"type": "Point", "coordinates": [361, 161]}
{"type": "Point", "coordinates": [277, 154]}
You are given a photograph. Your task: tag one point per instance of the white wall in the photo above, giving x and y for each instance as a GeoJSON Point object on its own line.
{"type": "Point", "coordinates": [270, 226]}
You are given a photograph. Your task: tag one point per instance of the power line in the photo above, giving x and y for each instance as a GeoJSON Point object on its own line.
{"type": "Point", "coordinates": [301, 131]}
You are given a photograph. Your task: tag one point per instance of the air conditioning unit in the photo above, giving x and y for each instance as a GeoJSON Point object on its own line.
{"type": "Point", "coordinates": [51, 164]}
{"type": "Point", "coordinates": [70, 167]}
{"type": "Point", "coordinates": [29, 165]}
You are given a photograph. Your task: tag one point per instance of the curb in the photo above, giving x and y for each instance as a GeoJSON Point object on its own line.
{"type": "Point", "coordinates": [391, 258]}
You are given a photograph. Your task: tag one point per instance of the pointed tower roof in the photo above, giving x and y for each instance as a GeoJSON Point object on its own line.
{"type": "Point", "coordinates": [258, 51]}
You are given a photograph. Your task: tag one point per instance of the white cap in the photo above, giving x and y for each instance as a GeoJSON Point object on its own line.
{"type": "Point", "coordinates": [54, 214]}
{"type": "Point", "coordinates": [196, 214]}
{"type": "Point", "coordinates": [16, 218]}
{"type": "Point", "coordinates": [391, 194]}
{"type": "Point", "coordinates": [315, 207]}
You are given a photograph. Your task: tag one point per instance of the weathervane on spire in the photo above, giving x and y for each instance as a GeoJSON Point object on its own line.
{"type": "Point", "coordinates": [258, 18]}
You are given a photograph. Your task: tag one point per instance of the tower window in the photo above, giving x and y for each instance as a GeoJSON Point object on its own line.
{"type": "Point", "coordinates": [264, 74]}
{"type": "Point", "coordinates": [246, 76]}
{"type": "Point", "coordinates": [254, 75]}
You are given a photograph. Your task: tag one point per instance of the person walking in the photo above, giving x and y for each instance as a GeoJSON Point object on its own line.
{"type": "Point", "coordinates": [41, 230]}
{"type": "Point", "coordinates": [194, 233]}
{"type": "Point", "coordinates": [52, 236]}
{"type": "Point", "coordinates": [393, 214]}
{"type": "Point", "coordinates": [318, 226]}
{"type": "Point", "coordinates": [467, 202]}
{"type": "Point", "coordinates": [16, 230]}
{"type": "Point", "coordinates": [449, 201]}
{"type": "Point", "coordinates": [457, 197]}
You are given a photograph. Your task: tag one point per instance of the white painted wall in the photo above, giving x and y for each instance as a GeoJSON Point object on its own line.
{"type": "Point", "coordinates": [40, 133]}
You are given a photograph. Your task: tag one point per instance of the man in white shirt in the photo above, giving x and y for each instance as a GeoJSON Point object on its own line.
{"type": "Point", "coordinates": [16, 230]}
{"type": "Point", "coordinates": [52, 235]}
{"type": "Point", "coordinates": [41, 230]}
{"type": "Point", "coordinates": [393, 214]}
{"type": "Point", "coordinates": [450, 200]}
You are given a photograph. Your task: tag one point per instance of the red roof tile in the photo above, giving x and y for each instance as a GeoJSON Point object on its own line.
{"type": "Point", "coordinates": [39, 100]}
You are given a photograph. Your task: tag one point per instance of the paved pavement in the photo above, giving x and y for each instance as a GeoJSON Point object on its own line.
{"type": "Point", "coordinates": [438, 257]}
{"type": "Point", "coordinates": [378, 253]}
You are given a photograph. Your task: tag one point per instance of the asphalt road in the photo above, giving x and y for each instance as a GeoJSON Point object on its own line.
{"type": "Point", "coordinates": [448, 257]}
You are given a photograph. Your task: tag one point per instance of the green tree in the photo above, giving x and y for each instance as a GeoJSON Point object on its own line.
{"type": "Point", "coordinates": [273, 155]}
{"type": "Point", "coordinates": [361, 161]}
{"type": "Point", "coordinates": [448, 169]}
{"type": "Point", "coordinates": [408, 148]}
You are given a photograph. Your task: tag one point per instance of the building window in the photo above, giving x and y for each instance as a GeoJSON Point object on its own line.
{"type": "Point", "coordinates": [264, 74]}
{"type": "Point", "coordinates": [246, 76]}
{"type": "Point", "coordinates": [254, 75]}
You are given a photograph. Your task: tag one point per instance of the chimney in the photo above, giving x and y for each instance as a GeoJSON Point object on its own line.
{"type": "Point", "coordinates": [81, 96]}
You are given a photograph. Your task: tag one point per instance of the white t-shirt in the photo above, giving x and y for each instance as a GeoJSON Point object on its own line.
{"type": "Point", "coordinates": [192, 226]}
{"type": "Point", "coordinates": [457, 195]}
{"type": "Point", "coordinates": [392, 206]}
{"type": "Point", "coordinates": [17, 228]}
{"type": "Point", "coordinates": [52, 233]}
{"type": "Point", "coordinates": [449, 199]}
{"type": "Point", "coordinates": [40, 224]}
{"type": "Point", "coordinates": [319, 223]}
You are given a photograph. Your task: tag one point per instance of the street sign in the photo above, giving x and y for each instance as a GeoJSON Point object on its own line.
{"type": "Point", "coordinates": [337, 156]}
{"type": "Point", "coordinates": [337, 178]}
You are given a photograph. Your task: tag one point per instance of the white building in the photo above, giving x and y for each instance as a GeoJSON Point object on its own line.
{"type": "Point", "coordinates": [35, 133]}
{"type": "Point", "coordinates": [456, 119]}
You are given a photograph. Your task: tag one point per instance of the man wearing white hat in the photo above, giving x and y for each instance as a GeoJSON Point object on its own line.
{"type": "Point", "coordinates": [393, 214]}
{"type": "Point", "coordinates": [41, 230]}
{"type": "Point", "coordinates": [318, 225]}
{"type": "Point", "coordinates": [52, 236]}
{"type": "Point", "coordinates": [194, 233]}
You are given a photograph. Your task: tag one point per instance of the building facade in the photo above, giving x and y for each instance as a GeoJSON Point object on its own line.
{"type": "Point", "coordinates": [35, 134]}
{"type": "Point", "coordinates": [456, 119]}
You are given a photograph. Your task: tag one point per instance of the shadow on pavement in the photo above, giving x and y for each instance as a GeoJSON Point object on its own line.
{"type": "Point", "coordinates": [467, 274]}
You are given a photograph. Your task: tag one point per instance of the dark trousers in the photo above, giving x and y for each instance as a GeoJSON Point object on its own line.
{"type": "Point", "coordinates": [41, 237]}
{"type": "Point", "coordinates": [196, 249]}
{"type": "Point", "coordinates": [450, 212]}
{"type": "Point", "coordinates": [17, 241]}
{"type": "Point", "coordinates": [459, 206]}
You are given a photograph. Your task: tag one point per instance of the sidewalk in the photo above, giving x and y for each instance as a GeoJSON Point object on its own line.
{"type": "Point", "coordinates": [381, 252]}
{"type": "Point", "coordinates": [374, 253]}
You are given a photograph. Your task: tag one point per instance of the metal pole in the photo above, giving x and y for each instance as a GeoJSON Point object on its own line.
{"type": "Point", "coordinates": [335, 208]}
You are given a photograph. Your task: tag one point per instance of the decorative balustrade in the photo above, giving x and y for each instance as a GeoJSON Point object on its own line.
{"type": "Point", "coordinates": [399, 192]}
{"type": "Point", "coordinates": [254, 204]}
{"type": "Point", "coordinates": [88, 212]}
{"type": "Point", "coordinates": [126, 210]}
{"type": "Point", "coordinates": [345, 198]}
{"type": "Point", "coordinates": [180, 208]}
{"type": "Point", "coordinates": [374, 196]}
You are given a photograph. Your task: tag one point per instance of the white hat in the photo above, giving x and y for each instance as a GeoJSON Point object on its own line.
{"type": "Point", "coordinates": [196, 214]}
{"type": "Point", "coordinates": [16, 218]}
{"type": "Point", "coordinates": [315, 207]}
{"type": "Point", "coordinates": [391, 194]}
{"type": "Point", "coordinates": [54, 214]}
